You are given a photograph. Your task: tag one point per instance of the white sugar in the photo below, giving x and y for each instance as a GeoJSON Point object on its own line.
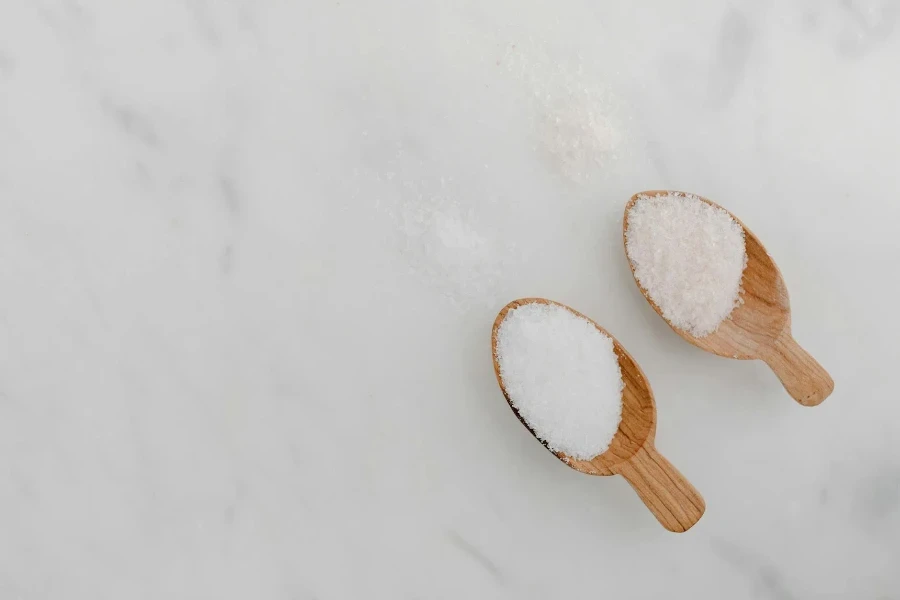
{"type": "Point", "coordinates": [579, 134]}
{"type": "Point", "coordinates": [689, 257]}
{"type": "Point", "coordinates": [576, 120]}
{"type": "Point", "coordinates": [562, 376]}
{"type": "Point", "coordinates": [452, 243]}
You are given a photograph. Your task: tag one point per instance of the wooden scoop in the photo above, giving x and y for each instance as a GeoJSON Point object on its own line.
{"type": "Point", "coordinates": [665, 491]}
{"type": "Point", "coordinates": [760, 328]}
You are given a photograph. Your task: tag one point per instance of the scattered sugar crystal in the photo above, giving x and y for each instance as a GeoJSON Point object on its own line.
{"type": "Point", "coordinates": [451, 247]}
{"type": "Point", "coordinates": [689, 256]}
{"type": "Point", "coordinates": [579, 134]}
{"type": "Point", "coordinates": [576, 120]}
{"type": "Point", "coordinates": [459, 243]}
{"type": "Point", "coordinates": [562, 376]}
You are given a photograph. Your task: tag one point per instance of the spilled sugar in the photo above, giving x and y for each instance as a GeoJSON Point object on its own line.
{"type": "Point", "coordinates": [463, 238]}
{"type": "Point", "coordinates": [689, 257]}
{"type": "Point", "coordinates": [562, 376]}
{"type": "Point", "coordinates": [576, 120]}
{"type": "Point", "coordinates": [578, 136]}
{"type": "Point", "coordinates": [451, 241]}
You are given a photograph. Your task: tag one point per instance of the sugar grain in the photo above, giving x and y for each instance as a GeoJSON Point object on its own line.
{"type": "Point", "coordinates": [576, 120]}
{"type": "Point", "coordinates": [562, 376]}
{"type": "Point", "coordinates": [689, 256]}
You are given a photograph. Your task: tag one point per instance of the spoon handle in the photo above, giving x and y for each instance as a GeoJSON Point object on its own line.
{"type": "Point", "coordinates": [803, 378]}
{"type": "Point", "coordinates": [669, 496]}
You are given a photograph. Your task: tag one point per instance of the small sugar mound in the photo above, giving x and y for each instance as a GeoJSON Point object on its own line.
{"type": "Point", "coordinates": [579, 135]}
{"type": "Point", "coordinates": [561, 374]}
{"type": "Point", "coordinates": [577, 122]}
{"type": "Point", "coordinates": [689, 257]}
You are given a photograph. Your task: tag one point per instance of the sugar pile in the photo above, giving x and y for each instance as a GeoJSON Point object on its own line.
{"type": "Point", "coordinates": [689, 257]}
{"type": "Point", "coordinates": [576, 120]}
{"type": "Point", "coordinates": [447, 239]}
{"type": "Point", "coordinates": [579, 137]}
{"type": "Point", "coordinates": [561, 374]}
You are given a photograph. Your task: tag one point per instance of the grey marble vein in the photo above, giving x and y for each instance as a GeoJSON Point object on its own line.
{"type": "Point", "coordinates": [766, 578]}
{"type": "Point", "coordinates": [475, 554]}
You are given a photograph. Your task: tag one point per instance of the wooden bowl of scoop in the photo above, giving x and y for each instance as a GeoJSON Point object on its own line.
{"type": "Point", "coordinates": [760, 328]}
{"type": "Point", "coordinates": [632, 452]}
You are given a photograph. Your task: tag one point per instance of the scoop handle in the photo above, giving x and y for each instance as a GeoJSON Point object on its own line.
{"type": "Point", "coordinates": [675, 503]}
{"type": "Point", "coordinates": [803, 378]}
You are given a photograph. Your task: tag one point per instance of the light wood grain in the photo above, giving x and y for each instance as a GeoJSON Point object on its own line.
{"type": "Point", "coordinates": [632, 454]}
{"type": "Point", "coordinates": [760, 328]}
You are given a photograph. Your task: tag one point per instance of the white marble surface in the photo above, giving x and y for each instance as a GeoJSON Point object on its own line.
{"type": "Point", "coordinates": [250, 253]}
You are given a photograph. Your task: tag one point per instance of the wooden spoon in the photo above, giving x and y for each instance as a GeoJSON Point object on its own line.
{"type": "Point", "coordinates": [632, 454]}
{"type": "Point", "coordinates": [760, 328]}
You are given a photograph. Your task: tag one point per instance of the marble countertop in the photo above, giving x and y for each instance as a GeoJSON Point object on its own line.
{"type": "Point", "coordinates": [251, 251]}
